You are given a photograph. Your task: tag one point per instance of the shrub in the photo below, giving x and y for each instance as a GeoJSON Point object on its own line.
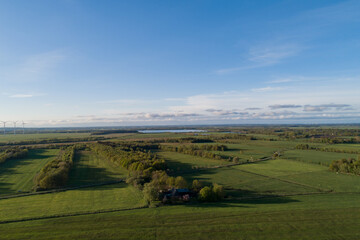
{"type": "Point", "coordinates": [218, 192]}
{"type": "Point", "coordinates": [211, 194]}
{"type": "Point", "coordinates": [151, 192]}
{"type": "Point", "coordinates": [196, 185]}
{"type": "Point", "coordinates": [205, 194]}
{"type": "Point", "coordinates": [180, 182]}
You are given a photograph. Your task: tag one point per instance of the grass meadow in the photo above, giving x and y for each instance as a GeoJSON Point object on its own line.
{"type": "Point", "coordinates": [40, 136]}
{"type": "Point", "coordinates": [91, 169]}
{"type": "Point", "coordinates": [294, 196]}
{"type": "Point", "coordinates": [331, 216]}
{"type": "Point", "coordinates": [16, 175]}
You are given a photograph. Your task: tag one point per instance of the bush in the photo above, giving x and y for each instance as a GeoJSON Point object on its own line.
{"type": "Point", "coordinates": [206, 194]}
{"type": "Point", "coordinates": [180, 182]}
{"type": "Point", "coordinates": [135, 178]}
{"type": "Point", "coordinates": [211, 194]}
{"type": "Point", "coordinates": [196, 185]}
{"type": "Point", "coordinates": [218, 192]}
{"type": "Point", "coordinates": [346, 166]}
{"type": "Point", "coordinates": [151, 192]}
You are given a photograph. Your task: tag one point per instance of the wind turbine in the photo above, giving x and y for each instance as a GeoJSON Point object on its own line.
{"type": "Point", "coordinates": [15, 127]}
{"type": "Point", "coordinates": [23, 124]}
{"type": "Point", "coordinates": [4, 122]}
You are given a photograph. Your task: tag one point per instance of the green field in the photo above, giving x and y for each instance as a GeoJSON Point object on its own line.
{"type": "Point", "coordinates": [115, 196]}
{"type": "Point", "coordinates": [17, 175]}
{"type": "Point", "coordinates": [256, 149]}
{"type": "Point", "coordinates": [294, 196]}
{"type": "Point", "coordinates": [89, 169]}
{"type": "Point", "coordinates": [184, 162]}
{"type": "Point", "coordinates": [317, 157]}
{"type": "Point", "coordinates": [40, 136]}
{"type": "Point", "coordinates": [304, 217]}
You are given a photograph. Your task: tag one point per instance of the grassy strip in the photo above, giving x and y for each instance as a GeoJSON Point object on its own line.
{"type": "Point", "coordinates": [63, 189]}
{"type": "Point", "coordinates": [70, 215]}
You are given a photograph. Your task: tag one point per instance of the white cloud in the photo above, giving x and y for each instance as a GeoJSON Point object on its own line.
{"type": "Point", "coordinates": [273, 54]}
{"type": "Point", "coordinates": [21, 96]}
{"type": "Point", "coordinates": [285, 80]}
{"type": "Point", "coordinates": [265, 55]}
{"type": "Point", "coordinates": [267, 89]}
{"type": "Point", "coordinates": [32, 68]}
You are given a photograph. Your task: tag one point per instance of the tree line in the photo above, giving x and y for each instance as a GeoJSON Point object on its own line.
{"type": "Point", "coordinates": [52, 140]}
{"type": "Point", "coordinates": [133, 158]}
{"type": "Point", "coordinates": [199, 152]}
{"type": "Point", "coordinates": [325, 149]}
{"type": "Point", "coordinates": [350, 165]}
{"type": "Point", "coordinates": [12, 153]}
{"type": "Point", "coordinates": [56, 173]}
{"type": "Point", "coordinates": [192, 147]}
{"type": "Point", "coordinates": [182, 140]}
{"type": "Point", "coordinates": [148, 173]}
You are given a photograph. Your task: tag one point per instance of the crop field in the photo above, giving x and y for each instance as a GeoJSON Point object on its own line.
{"type": "Point", "coordinates": [291, 196]}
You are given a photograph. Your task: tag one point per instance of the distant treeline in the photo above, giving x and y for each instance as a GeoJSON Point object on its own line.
{"type": "Point", "coordinates": [11, 153]}
{"type": "Point", "coordinates": [133, 146]}
{"type": "Point", "coordinates": [182, 140]}
{"type": "Point", "coordinates": [324, 134]}
{"type": "Point", "coordinates": [233, 136]}
{"type": "Point", "coordinates": [304, 132]}
{"type": "Point", "coordinates": [336, 140]}
{"type": "Point", "coordinates": [135, 157]}
{"type": "Point", "coordinates": [344, 165]}
{"type": "Point", "coordinates": [325, 149]}
{"type": "Point", "coordinates": [52, 140]}
{"type": "Point", "coordinates": [208, 139]}
{"type": "Point", "coordinates": [201, 151]}
{"type": "Point", "coordinates": [192, 147]}
{"type": "Point", "coordinates": [56, 173]}
{"type": "Point", "coordinates": [104, 132]}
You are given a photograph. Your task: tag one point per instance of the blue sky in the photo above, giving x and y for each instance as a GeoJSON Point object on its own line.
{"type": "Point", "coordinates": [107, 63]}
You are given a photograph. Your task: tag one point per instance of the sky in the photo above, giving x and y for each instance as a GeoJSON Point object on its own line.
{"type": "Point", "coordinates": [68, 63]}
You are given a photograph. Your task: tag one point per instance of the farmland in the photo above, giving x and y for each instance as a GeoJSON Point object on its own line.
{"type": "Point", "coordinates": [272, 190]}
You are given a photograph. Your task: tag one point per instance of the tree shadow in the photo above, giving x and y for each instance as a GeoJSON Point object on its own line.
{"type": "Point", "coordinates": [252, 197]}
{"type": "Point", "coordinates": [94, 177]}
{"type": "Point", "coordinates": [243, 199]}
{"type": "Point", "coordinates": [11, 166]}
{"type": "Point", "coordinates": [5, 188]}
{"type": "Point", "coordinates": [235, 197]}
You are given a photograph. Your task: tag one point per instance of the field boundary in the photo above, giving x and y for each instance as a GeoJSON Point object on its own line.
{"type": "Point", "coordinates": [289, 195]}
{"type": "Point", "coordinates": [70, 215]}
{"type": "Point", "coordinates": [62, 189]}
{"type": "Point", "coordinates": [143, 207]}
{"type": "Point", "coordinates": [221, 166]}
{"type": "Point", "coordinates": [283, 180]}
